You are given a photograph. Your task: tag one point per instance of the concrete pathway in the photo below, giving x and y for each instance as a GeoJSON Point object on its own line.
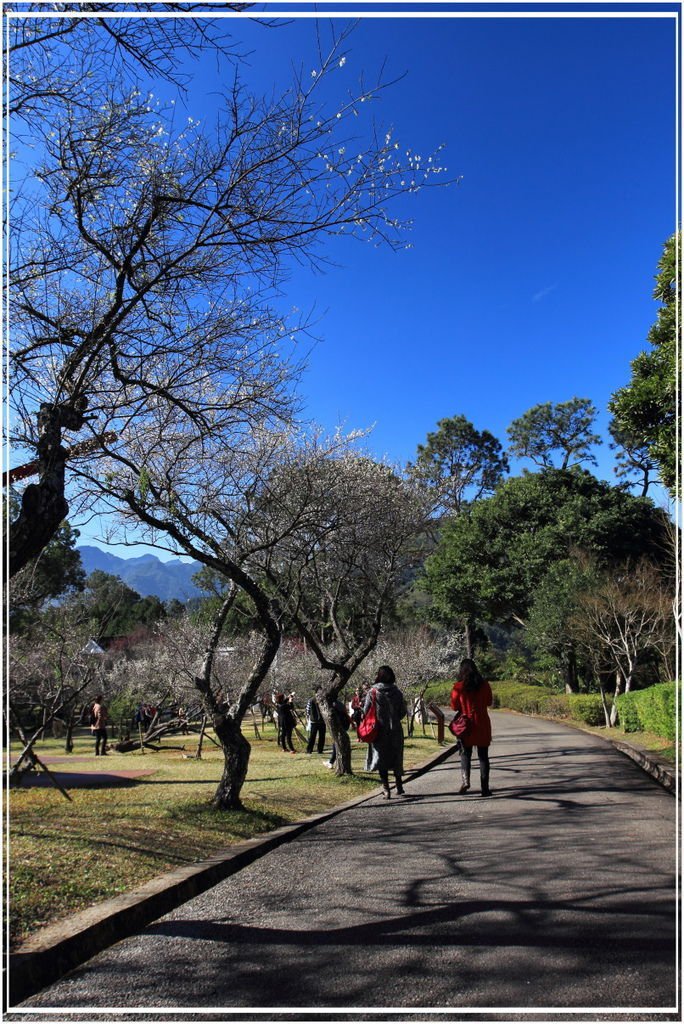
{"type": "Point", "coordinates": [556, 894]}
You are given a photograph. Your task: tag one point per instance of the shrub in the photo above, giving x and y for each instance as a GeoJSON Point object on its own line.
{"type": "Point", "coordinates": [438, 692]}
{"type": "Point", "coordinates": [650, 710]}
{"type": "Point", "coordinates": [586, 707]}
{"type": "Point", "coordinates": [628, 713]}
{"type": "Point", "coordinates": [537, 700]}
{"type": "Point", "coordinates": [523, 697]}
{"type": "Point", "coordinates": [515, 666]}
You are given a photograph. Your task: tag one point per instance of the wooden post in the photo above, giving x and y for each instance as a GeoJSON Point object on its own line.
{"type": "Point", "coordinates": [439, 716]}
{"type": "Point", "coordinates": [198, 755]}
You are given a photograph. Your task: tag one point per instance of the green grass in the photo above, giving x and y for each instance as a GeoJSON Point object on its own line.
{"type": "Point", "coordinates": [648, 741]}
{"type": "Point", "coordinates": [65, 856]}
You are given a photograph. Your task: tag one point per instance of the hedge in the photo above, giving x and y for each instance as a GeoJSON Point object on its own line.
{"type": "Point", "coordinates": [651, 710]}
{"type": "Point", "coordinates": [536, 700]}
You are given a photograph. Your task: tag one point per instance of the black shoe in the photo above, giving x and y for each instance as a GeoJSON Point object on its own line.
{"type": "Point", "coordinates": [486, 792]}
{"type": "Point", "coordinates": [464, 788]}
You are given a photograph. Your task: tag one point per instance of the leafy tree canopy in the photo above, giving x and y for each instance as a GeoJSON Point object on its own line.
{"type": "Point", "coordinates": [645, 409]}
{"type": "Point", "coordinates": [549, 431]}
{"type": "Point", "coordinates": [492, 558]}
{"type": "Point", "coordinates": [458, 461]}
{"type": "Point", "coordinates": [57, 571]}
{"type": "Point", "coordinates": [114, 608]}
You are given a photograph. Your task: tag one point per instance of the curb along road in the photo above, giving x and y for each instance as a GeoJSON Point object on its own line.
{"type": "Point", "coordinates": [59, 948]}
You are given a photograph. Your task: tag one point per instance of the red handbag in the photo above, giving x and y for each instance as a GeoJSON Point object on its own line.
{"type": "Point", "coordinates": [369, 728]}
{"type": "Point", "coordinates": [459, 725]}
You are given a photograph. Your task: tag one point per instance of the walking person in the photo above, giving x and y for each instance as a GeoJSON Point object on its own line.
{"type": "Point", "coordinates": [286, 721]}
{"type": "Point", "coordinates": [471, 696]}
{"type": "Point", "coordinates": [339, 717]}
{"type": "Point", "coordinates": [99, 718]}
{"type": "Point", "coordinates": [357, 702]}
{"type": "Point", "coordinates": [389, 745]}
{"type": "Point", "coordinates": [316, 726]}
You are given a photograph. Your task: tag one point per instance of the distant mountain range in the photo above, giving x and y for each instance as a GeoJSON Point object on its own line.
{"type": "Point", "coordinates": [146, 574]}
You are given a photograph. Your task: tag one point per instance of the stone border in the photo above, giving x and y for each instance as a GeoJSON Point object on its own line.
{"type": "Point", "coordinates": [662, 771]}
{"type": "Point", "coordinates": [59, 948]}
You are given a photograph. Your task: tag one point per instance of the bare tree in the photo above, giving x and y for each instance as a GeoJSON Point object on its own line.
{"type": "Point", "coordinates": [146, 258]}
{"type": "Point", "coordinates": [50, 676]}
{"type": "Point", "coordinates": [58, 56]}
{"type": "Point", "coordinates": [625, 617]}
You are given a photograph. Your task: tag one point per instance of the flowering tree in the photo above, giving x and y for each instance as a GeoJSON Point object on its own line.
{"type": "Point", "coordinates": [58, 57]}
{"type": "Point", "coordinates": [147, 257]}
{"type": "Point", "coordinates": [146, 267]}
{"type": "Point", "coordinates": [50, 676]}
{"type": "Point", "coordinates": [239, 512]}
{"type": "Point", "coordinates": [338, 574]}
{"type": "Point", "coordinates": [420, 657]}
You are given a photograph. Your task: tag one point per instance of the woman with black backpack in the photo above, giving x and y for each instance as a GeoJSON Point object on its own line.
{"type": "Point", "coordinates": [389, 744]}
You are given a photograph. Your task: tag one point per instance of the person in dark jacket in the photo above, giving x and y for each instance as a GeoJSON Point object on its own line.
{"type": "Point", "coordinates": [338, 713]}
{"type": "Point", "coordinates": [316, 726]}
{"type": "Point", "coordinates": [287, 720]}
{"type": "Point", "coordinates": [389, 745]}
{"type": "Point", "coordinates": [471, 696]}
{"type": "Point", "coordinates": [100, 717]}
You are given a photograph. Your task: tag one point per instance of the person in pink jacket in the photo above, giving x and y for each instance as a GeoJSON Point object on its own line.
{"type": "Point", "coordinates": [471, 696]}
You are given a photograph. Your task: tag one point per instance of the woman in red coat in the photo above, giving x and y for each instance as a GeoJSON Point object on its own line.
{"type": "Point", "coordinates": [472, 695]}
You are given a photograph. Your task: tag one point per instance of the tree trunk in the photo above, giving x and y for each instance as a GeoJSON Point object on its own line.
{"type": "Point", "coordinates": [337, 733]}
{"type": "Point", "coordinates": [618, 690]}
{"type": "Point", "coordinates": [569, 667]}
{"type": "Point", "coordinates": [604, 701]}
{"type": "Point", "coordinates": [69, 735]}
{"type": "Point", "coordinates": [236, 751]}
{"type": "Point", "coordinates": [43, 505]}
{"type": "Point", "coordinates": [469, 634]}
{"type": "Point", "coordinates": [227, 723]}
{"type": "Point", "coordinates": [198, 755]}
{"type": "Point", "coordinates": [343, 764]}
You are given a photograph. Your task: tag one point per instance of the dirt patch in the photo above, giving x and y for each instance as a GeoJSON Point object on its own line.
{"type": "Point", "coordinates": [81, 780]}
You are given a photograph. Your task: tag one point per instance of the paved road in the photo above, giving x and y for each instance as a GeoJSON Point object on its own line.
{"type": "Point", "coordinates": [556, 893]}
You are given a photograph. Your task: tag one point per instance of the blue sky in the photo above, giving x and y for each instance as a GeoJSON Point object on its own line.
{"type": "Point", "coordinates": [531, 280]}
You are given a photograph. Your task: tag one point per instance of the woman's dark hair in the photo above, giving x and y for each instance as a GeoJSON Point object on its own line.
{"type": "Point", "coordinates": [469, 675]}
{"type": "Point", "coordinates": [386, 674]}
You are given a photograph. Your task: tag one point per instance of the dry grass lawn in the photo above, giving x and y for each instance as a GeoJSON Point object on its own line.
{"type": "Point", "coordinates": [65, 856]}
